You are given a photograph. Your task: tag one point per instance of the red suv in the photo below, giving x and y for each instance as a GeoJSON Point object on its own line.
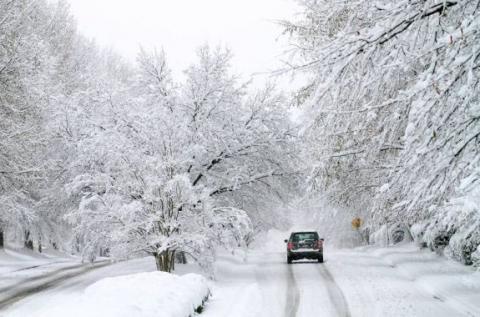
{"type": "Point", "coordinates": [304, 245]}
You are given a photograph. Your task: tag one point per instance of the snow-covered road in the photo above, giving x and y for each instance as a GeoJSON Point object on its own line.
{"type": "Point", "coordinates": [395, 281]}
{"type": "Point", "coordinates": [20, 289]}
{"type": "Point", "coordinates": [264, 285]}
{"type": "Point", "coordinates": [317, 292]}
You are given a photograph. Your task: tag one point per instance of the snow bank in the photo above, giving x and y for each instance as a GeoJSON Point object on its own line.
{"type": "Point", "coordinates": [152, 294]}
{"type": "Point", "coordinates": [404, 280]}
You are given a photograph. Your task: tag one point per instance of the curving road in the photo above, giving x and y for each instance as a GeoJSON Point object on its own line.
{"type": "Point", "coordinates": [33, 285]}
{"type": "Point", "coordinates": [43, 288]}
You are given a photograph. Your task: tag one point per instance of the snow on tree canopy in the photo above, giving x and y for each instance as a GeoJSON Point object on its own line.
{"type": "Point", "coordinates": [392, 112]}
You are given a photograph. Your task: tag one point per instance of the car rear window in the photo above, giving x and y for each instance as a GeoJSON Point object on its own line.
{"type": "Point", "coordinates": [300, 236]}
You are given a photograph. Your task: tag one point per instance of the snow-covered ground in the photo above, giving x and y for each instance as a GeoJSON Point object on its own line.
{"type": "Point", "coordinates": [393, 281]}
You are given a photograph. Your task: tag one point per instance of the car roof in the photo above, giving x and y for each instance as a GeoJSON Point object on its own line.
{"type": "Point", "coordinates": [304, 232]}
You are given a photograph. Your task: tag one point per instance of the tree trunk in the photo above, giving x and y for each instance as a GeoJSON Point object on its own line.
{"type": "Point", "coordinates": [181, 258]}
{"type": "Point", "coordinates": [28, 243]}
{"type": "Point", "coordinates": [40, 245]}
{"type": "Point", "coordinates": [2, 241]}
{"type": "Point", "coordinates": [165, 261]}
{"type": "Point", "coordinates": [367, 235]}
{"type": "Point", "coordinates": [172, 261]}
{"type": "Point", "coordinates": [104, 252]}
{"type": "Point", "coordinates": [77, 245]}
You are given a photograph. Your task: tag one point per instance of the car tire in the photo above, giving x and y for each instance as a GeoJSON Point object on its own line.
{"type": "Point", "coordinates": [320, 259]}
{"type": "Point", "coordinates": [289, 260]}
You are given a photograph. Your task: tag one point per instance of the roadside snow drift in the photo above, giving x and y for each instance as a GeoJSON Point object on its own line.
{"type": "Point", "coordinates": [152, 294]}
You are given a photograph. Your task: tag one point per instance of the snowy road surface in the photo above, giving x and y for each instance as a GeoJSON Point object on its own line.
{"type": "Point", "coordinates": [266, 286]}
{"type": "Point", "coordinates": [397, 281]}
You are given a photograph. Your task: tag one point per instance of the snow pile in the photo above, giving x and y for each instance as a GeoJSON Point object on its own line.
{"type": "Point", "coordinates": [151, 294]}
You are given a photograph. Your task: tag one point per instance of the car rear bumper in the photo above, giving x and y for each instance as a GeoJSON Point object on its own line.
{"type": "Point", "coordinates": [297, 255]}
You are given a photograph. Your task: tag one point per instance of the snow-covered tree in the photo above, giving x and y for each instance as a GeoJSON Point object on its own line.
{"type": "Point", "coordinates": [161, 174]}
{"type": "Point", "coordinates": [392, 108]}
{"type": "Point", "coordinates": [29, 33]}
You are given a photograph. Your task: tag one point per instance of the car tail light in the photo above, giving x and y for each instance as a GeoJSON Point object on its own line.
{"type": "Point", "coordinates": [319, 244]}
{"type": "Point", "coordinates": [290, 246]}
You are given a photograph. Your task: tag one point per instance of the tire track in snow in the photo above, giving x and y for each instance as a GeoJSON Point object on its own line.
{"type": "Point", "coordinates": [28, 290]}
{"type": "Point", "coordinates": [334, 293]}
{"type": "Point", "coordinates": [47, 275]}
{"type": "Point", "coordinates": [293, 295]}
{"type": "Point", "coordinates": [34, 267]}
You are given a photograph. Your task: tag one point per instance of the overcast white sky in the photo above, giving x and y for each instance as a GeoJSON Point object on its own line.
{"type": "Point", "coordinates": [180, 26]}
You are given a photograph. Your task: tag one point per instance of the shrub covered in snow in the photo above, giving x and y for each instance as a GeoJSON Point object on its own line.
{"type": "Point", "coordinates": [150, 294]}
{"type": "Point", "coordinates": [457, 224]}
{"type": "Point", "coordinates": [476, 257]}
{"type": "Point", "coordinates": [391, 234]}
{"type": "Point", "coordinates": [452, 229]}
